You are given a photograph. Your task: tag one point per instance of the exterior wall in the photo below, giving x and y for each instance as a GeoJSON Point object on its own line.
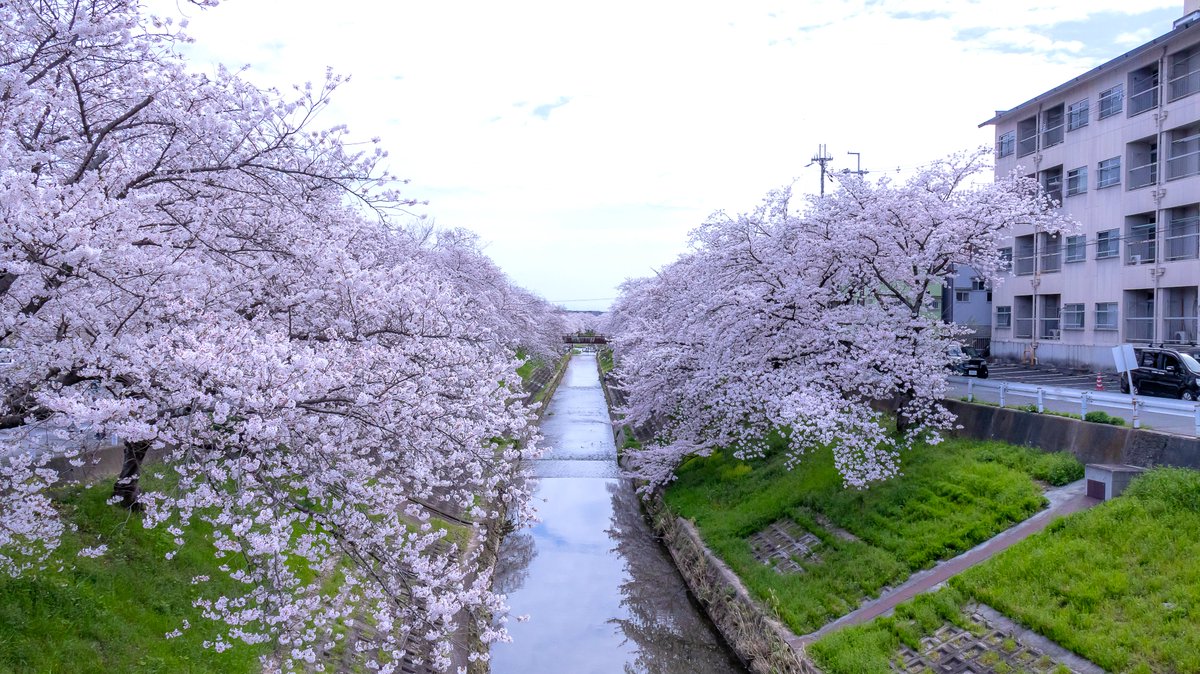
{"type": "Point", "coordinates": [971, 308]}
{"type": "Point", "coordinates": [1116, 279]}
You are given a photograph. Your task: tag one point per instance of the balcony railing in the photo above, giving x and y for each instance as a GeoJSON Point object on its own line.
{"type": "Point", "coordinates": [1183, 246]}
{"type": "Point", "coordinates": [1180, 329]}
{"type": "Point", "coordinates": [1051, 259]}
{"type": "Point", "coordinates": [1139, 329]}
{"type": "Point", "coordinates": [1023, 266]}
{"type": "Point", "coordinates": [1143, 100]}
{"type": "Point", "coordinates": [1185, 85]}
{"type": "Point", "coordinates": [1141, 176]}
{"type": "Point", "coordinates": [1023, 328]}
{"type": "Point", "coordinates": [1052, 135]}
{"type": "Point", "coordinates": [1027, 145]}
{"type": "Point", "coordinates": [1183, 165]}
{"type": "Point", "coordinates": [1051, 328]}
{"type": "Point", "coordinates": [1140, 251]}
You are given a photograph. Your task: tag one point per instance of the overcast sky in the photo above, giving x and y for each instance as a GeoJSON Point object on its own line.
{"type": "Point", "coordinates": [582, 141]}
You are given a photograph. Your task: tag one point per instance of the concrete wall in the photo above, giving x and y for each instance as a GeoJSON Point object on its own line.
{"type": "Point", "coordinates": [1089, 442]}
{"type": "Point", "coordinates": [760, 641]}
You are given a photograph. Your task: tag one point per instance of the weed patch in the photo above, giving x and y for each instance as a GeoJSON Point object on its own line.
{"type": "Point", "coordinates": [1117, 584]}
{"type": "Point", "coordinates": [950, 498]}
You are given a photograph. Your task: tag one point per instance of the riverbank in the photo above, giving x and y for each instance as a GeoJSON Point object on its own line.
{"type": "Point", "coordinates": [754, 616]}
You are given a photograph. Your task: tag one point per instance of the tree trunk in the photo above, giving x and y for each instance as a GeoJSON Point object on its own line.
{"type": "Point", "coordinates": [127, 487]}
{"type": "Point", "coordinates": [901, 401]}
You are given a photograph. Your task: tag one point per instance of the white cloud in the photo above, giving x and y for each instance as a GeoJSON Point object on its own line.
{"type": "Point", "coordinates": [598, 134]}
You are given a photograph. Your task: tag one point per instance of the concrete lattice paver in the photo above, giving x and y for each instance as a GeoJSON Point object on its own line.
{"type": "Point", "coordinates": [985, 648]}
{"type": "Point", "coordinates": [783, 544]}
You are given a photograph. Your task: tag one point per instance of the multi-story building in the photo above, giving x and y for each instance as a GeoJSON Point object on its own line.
{"type": "Point", "coordinates": [1119, 147]}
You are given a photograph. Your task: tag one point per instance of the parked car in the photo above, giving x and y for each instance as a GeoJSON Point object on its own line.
{"type": "Point", "coordinates": [967, 361]}
{"type": "Point", "coordinates": [1164, 371]}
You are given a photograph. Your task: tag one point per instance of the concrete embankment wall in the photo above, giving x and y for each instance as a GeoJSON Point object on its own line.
{"type": "Point", "coordinates": [1089, 442]}
{"type": "Point", "coordinates": [757, 638]}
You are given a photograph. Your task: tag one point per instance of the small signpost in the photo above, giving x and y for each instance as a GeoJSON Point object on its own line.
{"type": "Point", "coordinates": [1126, 361]}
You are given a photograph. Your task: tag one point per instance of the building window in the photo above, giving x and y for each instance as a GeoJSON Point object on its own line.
{"type": "Point", "coordinates": [1108, 173]}
{"type": "Point", "coordinates": [1077, 115]}
{"type": "Point", "coordinates": [1108, 243]}
{"type": "Point", "coordinates": [1077, 181]}
{"type": "Point", "coordinates": [1003, 317]}
{"type": "Point", "coordinates": [1076, 248]}
{"type": "Point", "coordinates": [1027, 136]}
{"type": "Point", "coordinates": [1006, 258]}
{"type": "Point", "coordinates": [1106, 315]}
{"type": "Point", "coordinates": [1112, 101]}
{"type": "Point", "coordinates": [1184, 154]}
{"type": "Point", "coordinates": [1185, 72]}
{"type": "Point", "coordinates": [1072, 317]}
{"type": "Point", "coordinates": [1052, 125]}
{"type": "Point", "coordinates": [978, 283]}
{"type": "Point", "coordinates": [962, 295]}
{"type": "Point", "coordinates": [1143, 89]}
{"type": "Point", "coordinates": [1006, 144]}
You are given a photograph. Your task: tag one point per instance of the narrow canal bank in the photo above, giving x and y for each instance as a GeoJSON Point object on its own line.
{"type": "Point", "coordinates": [602, 594]}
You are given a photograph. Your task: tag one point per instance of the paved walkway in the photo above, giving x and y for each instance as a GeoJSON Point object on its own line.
{"type": "Point", "coordinates": [1063, 501]}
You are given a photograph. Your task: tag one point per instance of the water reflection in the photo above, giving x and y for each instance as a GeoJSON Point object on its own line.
{"type": "Point", "coordinates": [670, 633]}
{"type": "Point", "coordinates": [599, 599]}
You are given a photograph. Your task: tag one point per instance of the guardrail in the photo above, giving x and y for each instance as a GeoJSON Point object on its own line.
{"type": "Point", "coordinates": [1135, 404]}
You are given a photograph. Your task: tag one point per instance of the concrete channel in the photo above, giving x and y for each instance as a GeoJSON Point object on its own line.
{"type": "Point", "coordinates": [601, 593]}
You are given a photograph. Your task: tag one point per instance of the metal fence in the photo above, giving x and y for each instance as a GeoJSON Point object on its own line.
{"type": "Point", "coordinates": [1137, 405]}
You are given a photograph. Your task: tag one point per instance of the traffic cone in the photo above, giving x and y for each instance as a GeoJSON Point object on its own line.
{"type": "Point", "coordinates": [1099, 382]}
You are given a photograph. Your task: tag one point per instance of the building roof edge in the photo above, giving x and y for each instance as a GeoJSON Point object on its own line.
{"type": "Point", "coordinates": [1181, 27]}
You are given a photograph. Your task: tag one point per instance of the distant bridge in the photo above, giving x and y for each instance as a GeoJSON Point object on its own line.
{"type": "Point", "coordinates": [585, 339]}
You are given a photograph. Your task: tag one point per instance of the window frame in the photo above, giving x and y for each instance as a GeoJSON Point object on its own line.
{"type": "Point", "coordinates": [1006, 141]}
{"type": "Point", "coordinates": [1078, 243]}
{"type": "Point", "coordinates": [1079, 176]}
{"type": "Point", "coordinates": [1004, 311]}
{"type": "Point", "coordinates": [1107, 309]}
{"type": "Point", "coordinates": [1105, 105]}
{"type": "Point", "coordinates": [1104, 238]}
{"type": "Point", "coordinates": [1077, 110]}
{"type": "Point", "coordinates": [1072, 316]}
{"type": "Point", "coordinates": [1113, 170]}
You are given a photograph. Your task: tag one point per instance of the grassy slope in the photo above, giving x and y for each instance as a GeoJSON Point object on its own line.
{"type": "Point", "coordinates": [950, 498]}
{"type": "Point", "coordinates": [1118, 584]}
{"type": "Point", "coordinates": [110, 614]}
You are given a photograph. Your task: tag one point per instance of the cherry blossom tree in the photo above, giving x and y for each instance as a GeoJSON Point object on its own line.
{"type": "Point", "coordinates": [805, 323]}
{"type": "Point", "coordinates": [187, 262]}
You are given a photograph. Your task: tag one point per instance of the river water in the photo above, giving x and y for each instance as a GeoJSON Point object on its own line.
{"type": "Point", "coordinates": [601, 594]}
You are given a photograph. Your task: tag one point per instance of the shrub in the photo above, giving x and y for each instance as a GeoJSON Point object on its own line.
{"type": "Point", "coordinates": [1174, 489]}
{"type": "Point", "coordinates": [1057, 468]}
{"type": "Point", "coordinates": [1099, 417]}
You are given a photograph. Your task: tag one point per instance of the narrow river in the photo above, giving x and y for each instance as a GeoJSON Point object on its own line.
{"type": "Point", "coordinates": [601, 593]}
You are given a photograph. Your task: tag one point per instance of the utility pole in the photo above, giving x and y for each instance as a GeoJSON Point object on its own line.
{"type": "Point", "coordinates": [859, 170]}
{"type": "Point", "coordinates": [821, 158]}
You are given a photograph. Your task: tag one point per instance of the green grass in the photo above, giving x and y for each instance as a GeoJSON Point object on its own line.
{"type": "Point", "coordinates": [110, 614]}
{"type": "Point", "coordinates": [950, 498]}
{"type": "Point", "coordinates": [1118, 584]}
{"type": "Point", "coordinates": [605, 357]}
